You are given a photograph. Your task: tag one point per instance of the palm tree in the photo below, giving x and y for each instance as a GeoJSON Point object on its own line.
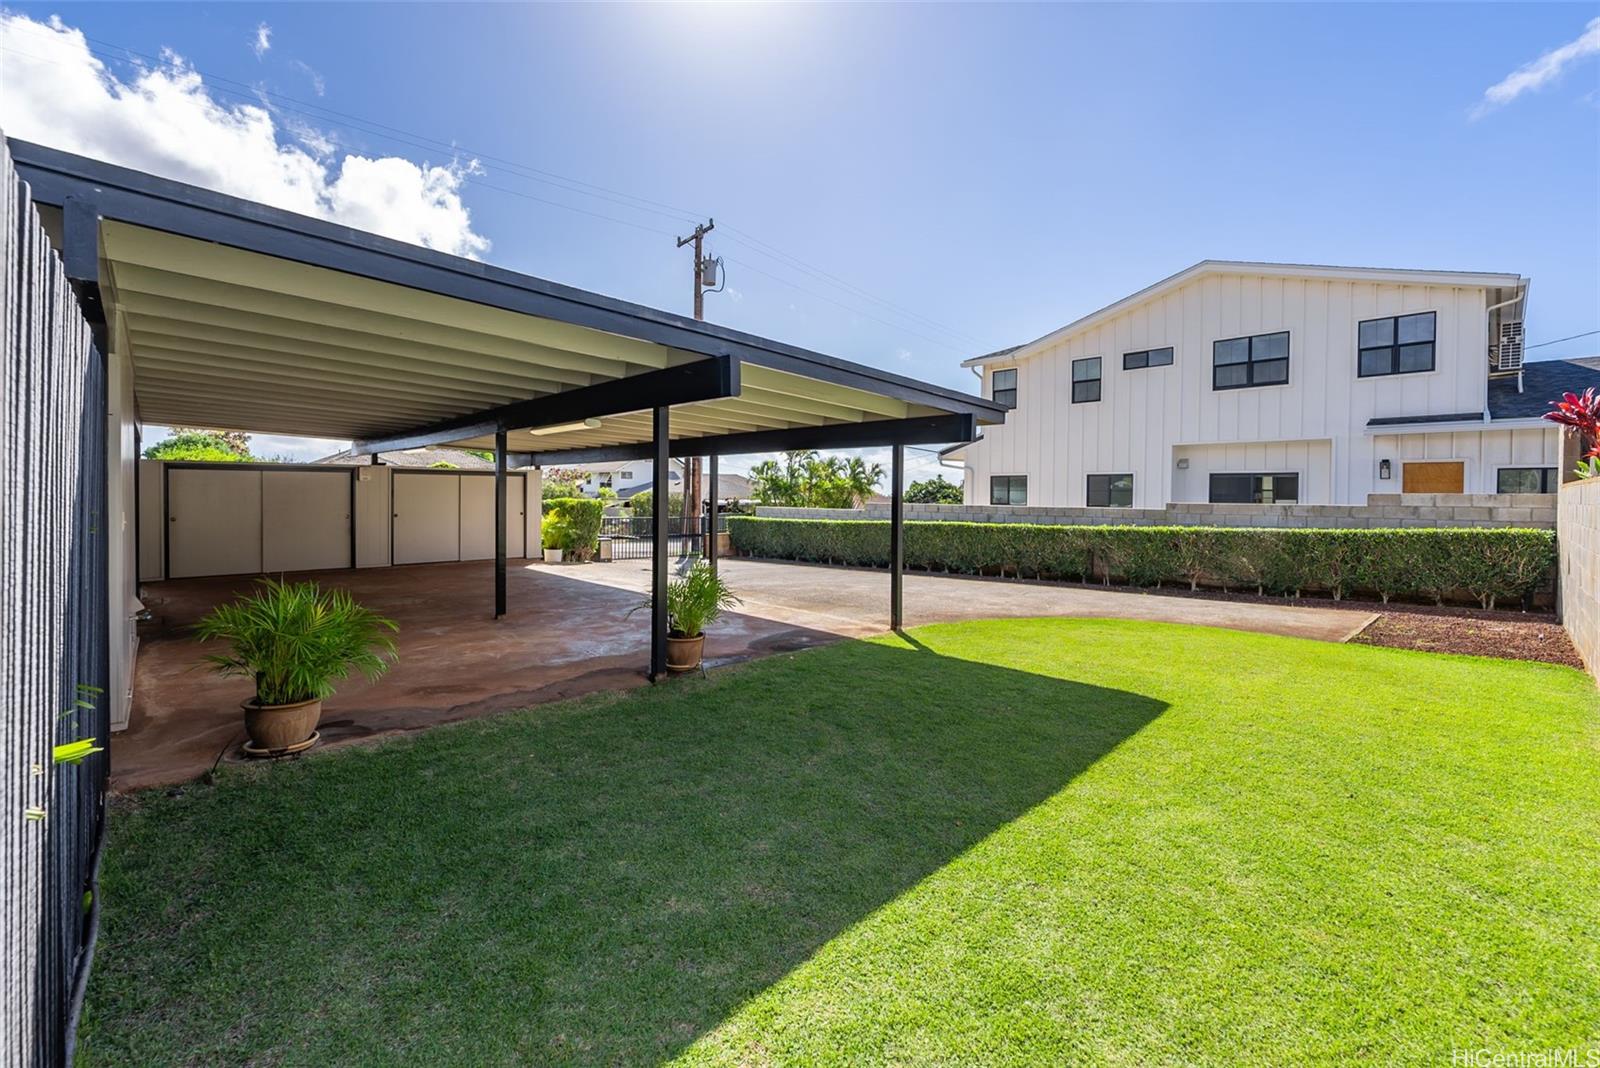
{"type": "Point", "coordinates": [863, 479]}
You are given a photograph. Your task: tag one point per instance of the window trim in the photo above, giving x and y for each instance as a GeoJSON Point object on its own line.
{"type": "Point", "coordinates": [1009, 479]}
{"type": "Point", "coordinates": [1251, 361]}
{"type": "Point", "coordinates": [1147, 365]}
{"type": "Point", "coordinates": [1396, 345]}
{"type": "Point", "coordinates": [1214, 475]}
{"type": "Point", "coordinates": [1088, 485]}
{"type": "Point", "coordinates": [994, 393]}
{"type": "Point", "coordinates": [1098, 380]}
{"type": "Point", "coordinates": [1551, 477]}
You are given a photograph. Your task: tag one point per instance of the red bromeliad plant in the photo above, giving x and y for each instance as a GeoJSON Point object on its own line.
{"type": "Point", "coordinates": [1581, 413]}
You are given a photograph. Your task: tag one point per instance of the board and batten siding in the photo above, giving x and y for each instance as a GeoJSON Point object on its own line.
{"type": "Point", "coordinates": [1147, 418]}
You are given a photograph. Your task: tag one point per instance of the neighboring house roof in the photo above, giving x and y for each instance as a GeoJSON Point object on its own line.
{"type": "Point", "coordinates": [1542, 382]}
{"type": "Point", "coordinates": [1389, 275]}
{"type": "Point", "coordinates": [415, 458]}
{"type": "Point", "coordinates": [735, 487]}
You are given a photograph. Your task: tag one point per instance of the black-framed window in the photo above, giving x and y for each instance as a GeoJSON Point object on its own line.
{"type": "Point", "coordinates": [1003, 387]}
{"type": "Point", "coordinates": [1275, 488]}
{"type": "Point", "coordinates": [1110, 491]}
{"type": "Point", "coordinates": [1258, 360]}
{"type": "Point", "coordinates": [1008, 489]}
{"type": "Point", "coordinates": [1133, 361]}
{"type": "Point", "coordinates": [1528, 480]}
{"type": "Point", "coordinates": [1398, 345]}
{"type": "Point", "coordinates": [1086, 380]}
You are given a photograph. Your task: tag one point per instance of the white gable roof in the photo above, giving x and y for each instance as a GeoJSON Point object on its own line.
{"type": "Point", "coordinates": [1388, 275]}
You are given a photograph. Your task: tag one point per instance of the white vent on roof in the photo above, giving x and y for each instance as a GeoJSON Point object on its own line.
{"type": "Point", "coordinates": [1509, 353]}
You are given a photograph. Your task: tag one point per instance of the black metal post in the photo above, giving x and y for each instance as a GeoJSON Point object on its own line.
{"type": "Point", "coordinates": [711, 536]}
{"type": "Point", "coordinates": [660, 515]}
{"type": "Point", "coordinates": [499, 523]}
{"type": "Point", "coordinates": [897, 538]}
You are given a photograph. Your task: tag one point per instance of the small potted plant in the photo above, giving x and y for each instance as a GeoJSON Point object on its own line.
{"type": "Point", "coordinates": [294, 641]}
{"type": "Point", "coordinates": [693, 603]}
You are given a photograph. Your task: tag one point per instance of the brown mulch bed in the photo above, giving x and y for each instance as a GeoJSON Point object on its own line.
{"type": "Point", "coordinates": [1529, 638]}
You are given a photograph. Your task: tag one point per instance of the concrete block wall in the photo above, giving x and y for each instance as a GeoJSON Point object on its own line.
{"type": "Point", "coordinates": [1578, 535]}
{"type": "Point", "coordinates": [1381, 510]}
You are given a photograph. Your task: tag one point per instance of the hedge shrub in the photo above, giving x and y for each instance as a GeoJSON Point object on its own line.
{"type": "Point", "coordinates": [1489, 564]}
{"type": "Point", "coordinates": [572, 524]}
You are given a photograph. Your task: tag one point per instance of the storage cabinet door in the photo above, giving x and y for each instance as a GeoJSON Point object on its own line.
{"type": "Point", "coordinates": [305, 520]}
{"type": "Point", "coordinates": [477, 517]}
{"type": "Point", "coordinates": [213, 522]}
{"type": "Point", "coordinates": [427, 518]}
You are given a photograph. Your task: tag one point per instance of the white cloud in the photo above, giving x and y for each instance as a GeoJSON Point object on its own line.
{"type": "Point", "coordinates": [263, 40]}
{"type": "Point", "coordinates": [317, 84]}
{"type": "Point", "coordinates": [164, 120]}
{"type": "Point", "coordinates": [903, 355]}
{"type": "Point", "coordinates": [1546, 68]}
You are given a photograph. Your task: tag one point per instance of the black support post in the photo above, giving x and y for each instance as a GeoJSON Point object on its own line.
{"type": "Point", "coordinates": [711, 520]}
{"type": "Point", "coordinates": [660, 516]}
{"type": "Point", "coordinates": [499, 523]}
{"type": "Point", "coordinates": [897, 538]}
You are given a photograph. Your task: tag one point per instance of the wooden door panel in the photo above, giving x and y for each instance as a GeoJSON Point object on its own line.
{"type": "Point", "coordinates": [1443, 476]}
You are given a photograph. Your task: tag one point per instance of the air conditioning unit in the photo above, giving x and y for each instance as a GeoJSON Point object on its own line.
{"type": "Point", "coordinates": [1509, 353]}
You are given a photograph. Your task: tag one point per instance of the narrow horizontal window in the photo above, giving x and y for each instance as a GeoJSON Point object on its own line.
{"type": "Point", "coordinates": [1134, 361]}
{"type": "Point", "coordinates": [1086, 380]}
{"type": "Point", "coordinates": [1398, 345]}
{"type": "Point", "coordinates": [1110, 491]}
{"type": "Point", "coordinates": [1278, 488]}
{"type": "Point", "coordinates": [1258, 360]}
{"type": "Point", "coordinates": [1528, 480]}
{"type": "Point", "coordinates": [1008, 489]}
{"type": "Point", "coordinates": [1003, 387]}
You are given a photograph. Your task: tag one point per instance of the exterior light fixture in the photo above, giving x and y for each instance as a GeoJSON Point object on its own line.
{"type": "Point", "coordinates": [562, 428]}
{"type": "Point", "coordinates": [1183, 463]}
{"type": "Point", "coordinates": [1385, 470]}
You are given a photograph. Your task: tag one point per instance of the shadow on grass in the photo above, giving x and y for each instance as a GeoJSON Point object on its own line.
{"type": "Point", "coordinates": [594, 883]}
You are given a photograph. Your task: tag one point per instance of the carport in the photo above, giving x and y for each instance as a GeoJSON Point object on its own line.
{"type": "Point", "coordinates": [220, 312]}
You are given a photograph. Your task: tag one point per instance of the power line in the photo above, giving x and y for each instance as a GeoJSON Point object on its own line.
{"type": "Point", "coordinates": [1559, 340]}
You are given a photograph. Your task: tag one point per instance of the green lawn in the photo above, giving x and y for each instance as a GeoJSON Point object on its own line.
{"type": "Point", "coordinates": [1031, 841]}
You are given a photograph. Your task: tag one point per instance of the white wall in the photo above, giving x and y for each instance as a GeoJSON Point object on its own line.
{"type": "Point", "coordinates": [1311, 460]}
{"type": "Point", "coordinates": [122, 564]}
{"type": "Point", "coordinates": [1144, 414]}
{"type": "Point", "coordinates": [1483, 453]}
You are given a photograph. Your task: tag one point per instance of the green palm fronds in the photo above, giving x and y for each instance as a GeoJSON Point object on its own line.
{"type": "Point", "coordinates": [296, 640]}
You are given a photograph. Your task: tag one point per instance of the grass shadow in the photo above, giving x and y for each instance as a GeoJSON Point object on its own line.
{"type": "Point", "coordinates": [596, 882]}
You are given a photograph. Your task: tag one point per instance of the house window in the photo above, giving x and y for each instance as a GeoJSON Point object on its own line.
{"type": "Point", "coordinates": [1398, 345]}
{"type": "Point", "coordinates": [1133, 361]}
{"type": "Point", "coordinates": [1241, 362]}
{"type": "Point", "coordinates": [1008, 489]}
{"type": "Point", "coordinates": [1110, 491]}
{"type": "Point", "coordinates": [1281, 488]}
{"type": "Point", "coordinates": [1003, 387]}
{"type": "Point", "coordinates": [1086, 380]}
{"type": "Point", "coordinates": [625, 475]}
{"type": "Point", "coordinates": [1528, 480]}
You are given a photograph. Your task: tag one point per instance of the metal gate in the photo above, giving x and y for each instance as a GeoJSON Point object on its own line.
{"type": "Point", "coordinates": [54, 660]}
{"type": "Point", "coordinates": [633, 537]}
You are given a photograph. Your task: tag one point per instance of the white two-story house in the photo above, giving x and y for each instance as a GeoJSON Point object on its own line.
{"type": "Point", "coordinates": [1275, 383]}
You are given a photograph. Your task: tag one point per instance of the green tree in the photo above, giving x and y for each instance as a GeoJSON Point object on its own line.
{"type": "Point", "coordinates": [806, 479]}
{"type": "Point", "coordinates": [935, 490]}
{"type": "Point", "coordinates": [644, 500]}
{"type": "Point", "coordinates": [202, 445]}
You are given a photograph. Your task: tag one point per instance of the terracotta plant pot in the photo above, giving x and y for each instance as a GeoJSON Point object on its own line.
{"type": "Point", "coordinates": [274, 728]}
{"type": "Point", "coordinates": [552, 556]}
{"type": "Point", "coordinates": [683, 654]}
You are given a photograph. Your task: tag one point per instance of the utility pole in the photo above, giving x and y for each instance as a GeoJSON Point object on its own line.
{"type": "Point", "coordinates": [705, 276]}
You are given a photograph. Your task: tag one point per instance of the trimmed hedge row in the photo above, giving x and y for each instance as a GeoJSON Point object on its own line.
{"type": "Point", "coordinates": [572, 524]}
{"type": "Point", "coordinates": [1490, 564]}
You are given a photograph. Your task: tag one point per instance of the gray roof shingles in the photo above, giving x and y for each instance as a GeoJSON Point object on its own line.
{"type": "Point", "coordinates": [1543, 381]}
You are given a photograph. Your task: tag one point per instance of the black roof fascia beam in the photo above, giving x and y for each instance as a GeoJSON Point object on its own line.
{"type": "Point", "coordinates": [700, 380]}
{"type": "Point", "coordinates": [922, 430]}
{"type": "Point", "coordinates": [131, 196]}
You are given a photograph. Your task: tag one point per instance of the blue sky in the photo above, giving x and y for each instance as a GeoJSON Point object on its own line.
{"type": "Point", "coordinates": [939, 181]}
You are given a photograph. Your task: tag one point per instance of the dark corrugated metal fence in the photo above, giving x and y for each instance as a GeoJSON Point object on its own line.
{"type": "Point", "coordinates": [53, 653]}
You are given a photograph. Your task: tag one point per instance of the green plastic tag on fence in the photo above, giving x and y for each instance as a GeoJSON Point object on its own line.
{"type": "Point", "coordinates": [74, 752]}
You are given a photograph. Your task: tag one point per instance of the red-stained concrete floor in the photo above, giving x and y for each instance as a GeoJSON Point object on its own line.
{"type": "Point", "coordinates": [569, 632]}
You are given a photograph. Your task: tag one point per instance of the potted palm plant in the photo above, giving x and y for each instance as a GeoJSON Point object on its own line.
{"type": "Point", "coordinates": [294, 641]}
{"type": "Point", "coordinates": [693, 603]}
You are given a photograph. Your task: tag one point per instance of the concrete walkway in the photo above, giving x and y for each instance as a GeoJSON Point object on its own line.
{"type": "Point", "coordinates": [571, 629]}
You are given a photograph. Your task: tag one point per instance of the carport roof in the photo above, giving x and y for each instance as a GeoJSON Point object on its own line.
{"type": "Point", "coordinates": [239, 315]}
